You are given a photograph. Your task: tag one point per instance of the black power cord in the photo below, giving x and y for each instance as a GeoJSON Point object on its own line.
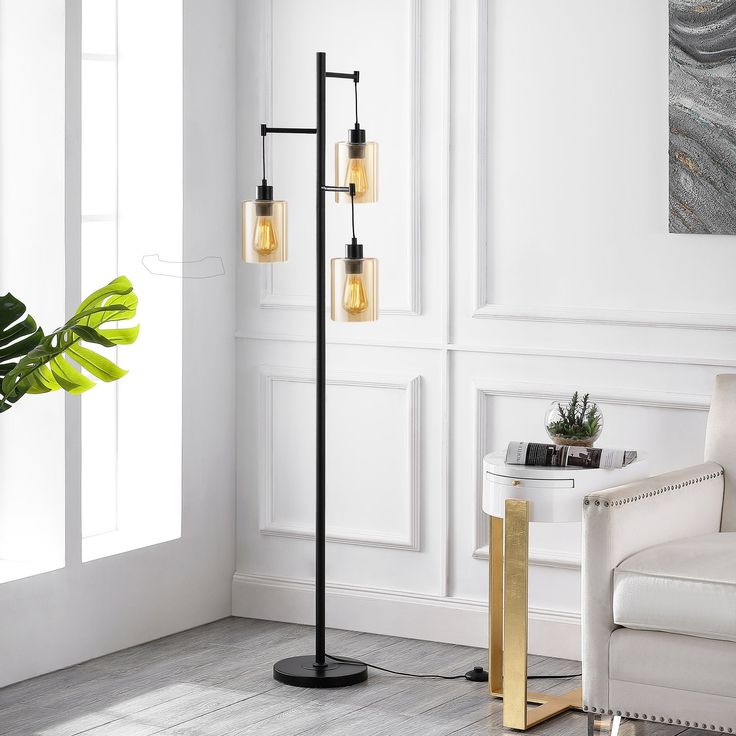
{"type": "Point", "coordinates": [347, 660]}
{"type": "Point", "coordinates": [553, 677]}
{"type": "Point", "coordinates": [477, 674]}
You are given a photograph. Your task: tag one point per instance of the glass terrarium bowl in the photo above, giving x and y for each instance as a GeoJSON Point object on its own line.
{"type": "Point", "coordinates": [578, 432]}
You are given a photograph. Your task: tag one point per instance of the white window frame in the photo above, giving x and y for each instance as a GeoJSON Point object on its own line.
{"type": "Point", "coordinates": [140, 487]}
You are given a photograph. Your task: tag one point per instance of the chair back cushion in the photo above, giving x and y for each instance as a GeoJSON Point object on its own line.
{"type": "Point", "coordinates": [720, 443]}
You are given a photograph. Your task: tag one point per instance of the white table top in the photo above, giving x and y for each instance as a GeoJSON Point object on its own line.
{"type": "Point", "coordinates": [555, 494]}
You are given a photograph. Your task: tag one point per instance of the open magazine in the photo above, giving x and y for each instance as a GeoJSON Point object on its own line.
{"type": "Point", "coordinates": [561, 456]}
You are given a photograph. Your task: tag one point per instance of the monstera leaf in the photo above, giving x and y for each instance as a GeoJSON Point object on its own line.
{"type": "Point", "coordinates": [47, 365]}
{"type": "Point", "coordinates": [17, 336]}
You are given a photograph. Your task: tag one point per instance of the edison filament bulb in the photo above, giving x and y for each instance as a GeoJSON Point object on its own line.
{"type": "Point", "coordinates": [356, 162]}
{"type": "Point", "coordinates": [354, 299]}
{"type": "Point", "coordinates": [356, 173]}
{"type": "Point", "coordinates": [265, 241]}
{"type": "Point", "coordinates": [264, 228]}
{"type": "Point", "coordinates": [354, 286]}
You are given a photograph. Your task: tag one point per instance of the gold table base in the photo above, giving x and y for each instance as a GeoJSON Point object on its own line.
{"type": "Point", "coordinates": [508, 624]}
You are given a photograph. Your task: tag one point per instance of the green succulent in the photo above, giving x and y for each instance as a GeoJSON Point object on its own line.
{"type": "Point", "coordinates": [578, 419]}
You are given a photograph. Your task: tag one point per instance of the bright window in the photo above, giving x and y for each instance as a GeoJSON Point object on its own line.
{"type": "Point", "coordinates": [131, 133]}
{"type": "Point", "coordinates": [32, 217]}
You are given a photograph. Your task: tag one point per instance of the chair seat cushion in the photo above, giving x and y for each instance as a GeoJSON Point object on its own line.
{"type": "Point", "coordinates": [682, 587]}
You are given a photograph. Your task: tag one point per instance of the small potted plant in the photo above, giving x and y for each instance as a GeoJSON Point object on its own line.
{"type": "Point", "coordinates": [578, 422]}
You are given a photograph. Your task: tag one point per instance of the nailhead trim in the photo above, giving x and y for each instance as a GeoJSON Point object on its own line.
{"type": "Point", "coordinates": [648, 494]}
{"type": "Point", "coordinates": [661, 719]}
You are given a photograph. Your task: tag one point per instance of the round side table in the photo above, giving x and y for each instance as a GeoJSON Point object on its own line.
{"type": "Point", "coordinates": [514, 496]}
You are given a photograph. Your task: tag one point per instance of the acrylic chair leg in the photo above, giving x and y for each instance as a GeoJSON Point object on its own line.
{"type": "Point", "coordinates": [600, 723]}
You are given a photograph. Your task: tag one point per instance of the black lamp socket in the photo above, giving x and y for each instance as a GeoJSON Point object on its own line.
{"type": "Point", "coordinates": [264, 199]}
{"type": "Point", "coordinates": [354, 257]}
{"type": "Point", "coordinates": [356, 142]}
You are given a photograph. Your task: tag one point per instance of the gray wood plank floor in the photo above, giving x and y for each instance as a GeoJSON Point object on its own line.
{"type": "Point", "coordinates": [215, 680]}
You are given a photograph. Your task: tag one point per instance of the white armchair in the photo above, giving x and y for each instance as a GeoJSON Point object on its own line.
{"type": "Point", "coordinates": [659, 589]}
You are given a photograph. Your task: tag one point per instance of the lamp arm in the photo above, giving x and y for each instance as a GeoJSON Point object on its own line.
{"type": "Point", "coordinates": [353, 76]}
{"type": "Point", "coordinates": [265, 129]}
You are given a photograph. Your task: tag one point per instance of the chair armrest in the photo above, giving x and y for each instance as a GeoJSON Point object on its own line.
{"type": "Point", "coordinates": [622, 521]}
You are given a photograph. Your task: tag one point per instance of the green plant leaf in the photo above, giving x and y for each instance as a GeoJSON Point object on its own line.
{"type": "Point", "coordinates": [18, 336]}
{"type": "Point", "coordinates": [46, 365]}
{"type": "Point", "coordinates": [117, 296]}
{"type": "Point", "coordinates": [83, 318]}
{"type": "Point", "coordinates": [70, 379]}
{"type": "Point", "coordinates": [96, 364]}
{"type": "Point", "coordinates": [11, 310]}
{"type": "Point", "coordinates": [121, 335]}
{"type": "Point", "coordinates": [42, 381]}
{"type": "Point", "coordinates": [119, 286]}
{"type": "Point", "coordinates": [91, 335]}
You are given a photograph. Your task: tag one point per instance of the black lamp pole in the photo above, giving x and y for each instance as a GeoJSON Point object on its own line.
{"type": "Point", "coordinates": [321, 378]}
{"type": "Point", "coordinates": [315, 670]}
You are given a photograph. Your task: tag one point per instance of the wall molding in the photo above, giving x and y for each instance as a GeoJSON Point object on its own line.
{"type": "Point", "coordinates": [500, 350]}
{"type": "Point", "coordinates": [269, 526]}
{"type": "Point", "coordinates": [540, 557]}
{"type": "Point", "coordinates": [483, 389]}
{"type": "Point", "coordinates": [485, 308]}
{"type": "Point", "coordinates": [463, 621]}
{"type": "Point", "coordinates": [611, 317]}
{"type": "Point", "coordinates": [269, 297]}
{"type": "Point", "coordinates": [481, 146]}
{"type": "Point", "coordinates": [445, 94]}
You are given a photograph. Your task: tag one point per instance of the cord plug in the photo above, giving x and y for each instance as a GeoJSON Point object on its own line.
{"type": "Point", "coordinates": [477, 674]}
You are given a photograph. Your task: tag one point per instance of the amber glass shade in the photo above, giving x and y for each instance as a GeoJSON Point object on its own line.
{"type": "Point", "coordinates": [264, 231]}
{"type": "Point", "coordinates": [354, 285]}
{"type": "Point", "coordinates": [357, 163]}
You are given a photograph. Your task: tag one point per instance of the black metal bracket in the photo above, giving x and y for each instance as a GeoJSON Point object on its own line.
{"type": "Point", "coordinates": [265, 130]}
{"type": "Point", "coordinates": [354, 76]}
{"type": "Point", "coordinates": [350, 189]}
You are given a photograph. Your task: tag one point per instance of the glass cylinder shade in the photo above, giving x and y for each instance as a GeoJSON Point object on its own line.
{"type": "Point", "coordinates": [264, 231]}
{"type": "Point", "coordinates": [354, 285]}
{"type": "Point", "coordinates": [357, 163]}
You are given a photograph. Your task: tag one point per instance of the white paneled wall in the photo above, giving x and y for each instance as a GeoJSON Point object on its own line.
{"type": "Point", "coordinates": [377, 505]}
{"type": "Point", "coordinates": [523, 246]}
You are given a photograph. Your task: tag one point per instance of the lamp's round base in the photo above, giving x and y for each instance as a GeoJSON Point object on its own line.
{"type": "Point", "coordinates": [301, 672]}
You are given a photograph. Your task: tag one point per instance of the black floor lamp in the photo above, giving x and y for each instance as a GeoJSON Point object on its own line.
{"type": "Point", "coordinates": [354, 291]}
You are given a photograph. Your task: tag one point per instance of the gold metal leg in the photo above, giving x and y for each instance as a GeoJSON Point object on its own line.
{"type": "Point", "coordinates": [516, 613]}
{"type": "Point", "coordinates": [508, 624]}
{"type": "Point", "coordinates": [495, 607]}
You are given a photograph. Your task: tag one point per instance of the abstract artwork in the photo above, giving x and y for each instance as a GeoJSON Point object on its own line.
{"type": "Point", "coordinates": [703, 116]}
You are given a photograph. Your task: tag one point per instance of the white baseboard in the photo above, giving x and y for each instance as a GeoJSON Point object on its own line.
{"type": "Point", "coordinates": [380, 611]}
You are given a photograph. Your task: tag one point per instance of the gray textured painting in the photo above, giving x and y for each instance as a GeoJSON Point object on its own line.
{"type": "Point", "coordinates": [703, 116]}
